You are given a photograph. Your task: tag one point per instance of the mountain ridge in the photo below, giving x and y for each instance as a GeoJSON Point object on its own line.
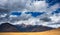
{"type": "Point", "coordinates": [7, 27]}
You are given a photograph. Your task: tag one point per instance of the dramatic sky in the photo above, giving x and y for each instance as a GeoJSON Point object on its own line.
{"type": "Point", "coordinates": [30, 12]}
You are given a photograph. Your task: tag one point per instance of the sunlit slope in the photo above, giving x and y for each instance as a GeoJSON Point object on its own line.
{"type": "Point", "coordinates": [51, 32]}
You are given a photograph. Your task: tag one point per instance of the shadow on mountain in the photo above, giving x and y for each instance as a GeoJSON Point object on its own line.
{"type": "Point", "coordinates": [7, 27]}
{"type": "Point", "coordinates": [30, 28]}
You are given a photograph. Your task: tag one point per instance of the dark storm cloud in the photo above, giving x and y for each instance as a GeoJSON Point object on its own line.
{"type": "Point", "coordinates": [56, 23]}
{"type": "Point", "coordinates": [3, 11]}
{"type": "Point", "coordinates": [45, 19]}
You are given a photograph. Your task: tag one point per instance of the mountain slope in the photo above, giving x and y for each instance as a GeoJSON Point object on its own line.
{"type": "Point", "coordinates": [6, 27]}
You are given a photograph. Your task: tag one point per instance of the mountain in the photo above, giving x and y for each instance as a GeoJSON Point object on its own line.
{"type": "Point", "coordinates": [6, 27]}
{"type": "Point", "coordinates": [31, 28]}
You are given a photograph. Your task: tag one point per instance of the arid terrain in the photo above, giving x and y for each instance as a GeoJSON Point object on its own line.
{"type": "Point", "coordinates": [51, 32]}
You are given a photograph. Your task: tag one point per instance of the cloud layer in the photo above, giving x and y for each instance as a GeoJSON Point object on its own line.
{"type": "Point", "coordinates": [31, 12]}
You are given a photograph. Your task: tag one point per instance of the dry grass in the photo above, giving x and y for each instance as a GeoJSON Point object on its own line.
{"type": "Point", "coordinates": [51, 32]}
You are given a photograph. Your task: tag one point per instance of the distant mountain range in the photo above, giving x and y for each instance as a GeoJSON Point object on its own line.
{"type": "Point", "coordinates": [7, 27]}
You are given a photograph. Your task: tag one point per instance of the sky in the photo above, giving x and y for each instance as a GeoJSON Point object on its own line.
{"type": "Point", "coordinates": [30, 12]}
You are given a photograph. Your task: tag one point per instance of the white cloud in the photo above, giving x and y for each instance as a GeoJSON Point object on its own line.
{"type": "Point", "coordinates": [4, 15]}
{"type": "Point", "coordinates": [55, 18]}
{"type": "Point", "coordinates": [53, 8]}
{"type": "Point", "coordinates": [37, 6]}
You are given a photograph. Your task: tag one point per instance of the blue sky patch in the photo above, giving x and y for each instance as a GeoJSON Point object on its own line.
{"type": "Point", "coordinates": [35, 14]}
{"type": "Point", "coordinates": [52, 2]}
{"type": "Point", "coordinates": [16, 13]}
{"type": "Point", "coordinates": [56, 12]}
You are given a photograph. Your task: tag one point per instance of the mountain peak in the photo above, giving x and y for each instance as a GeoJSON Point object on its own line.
{"type": "Point", "coordinates": [7, 27]}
